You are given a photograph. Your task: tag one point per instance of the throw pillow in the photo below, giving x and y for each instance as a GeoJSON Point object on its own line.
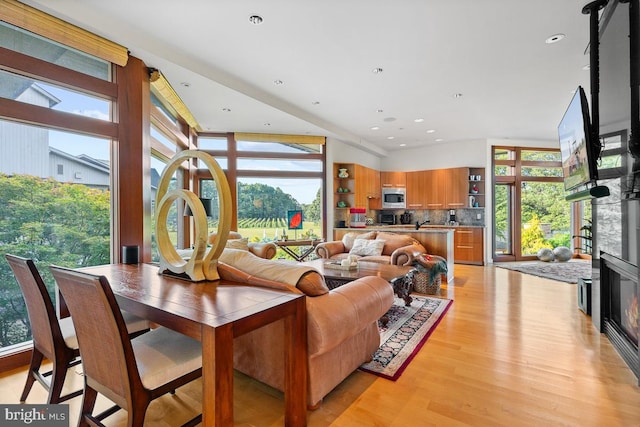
{"type": "Point", "coordinates": [349, 238]}
{"type": "Point", "coordinates": [364, 247]}
{"type": "Point", "coordinates": [238, 244]}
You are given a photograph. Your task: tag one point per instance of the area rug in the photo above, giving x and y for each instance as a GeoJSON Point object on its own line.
{"type": "Point", "coordinates": [405, 333]}
{"type": "Point", "coordinates": [568, 272]}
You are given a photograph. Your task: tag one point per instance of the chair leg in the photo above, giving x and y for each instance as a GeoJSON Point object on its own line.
{"type": "Point", "coordinates": [88, 402]}
{"type": "Point", "coordinates": [58, 374]}
{"type": "Point", "coordinates": [137, 413]}
{"type": "Point", "coordinates": [34, 368]}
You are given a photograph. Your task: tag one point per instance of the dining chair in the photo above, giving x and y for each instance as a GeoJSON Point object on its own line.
{"type": "Point", "coordinates": [53, 338]}
{"type": "Point", "coordinates": [129, 372]}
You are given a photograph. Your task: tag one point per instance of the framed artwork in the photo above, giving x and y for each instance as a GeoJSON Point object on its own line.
{"type": "Point", "coordinates": [294, 220]}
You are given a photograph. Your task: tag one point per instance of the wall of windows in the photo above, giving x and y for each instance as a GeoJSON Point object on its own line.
{"type": "Point", "coordinates": [55, 166]}
{"type": "Point", "coordinates": [530, 211]}
{"type": "Point", "coordinates": [268, 179]}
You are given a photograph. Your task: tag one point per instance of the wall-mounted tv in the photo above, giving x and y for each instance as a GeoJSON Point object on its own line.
{"type": "Point", "coordinates": [576, 149]}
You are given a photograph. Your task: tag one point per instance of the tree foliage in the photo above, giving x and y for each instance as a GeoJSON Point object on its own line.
{"type": "Point", "coordinates": [52, 223]}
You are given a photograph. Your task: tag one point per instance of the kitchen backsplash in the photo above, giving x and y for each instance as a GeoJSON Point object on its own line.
{"type": "Point", "coordinates": [440, 217]}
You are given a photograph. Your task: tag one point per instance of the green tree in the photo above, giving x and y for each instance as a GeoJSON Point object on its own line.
{"type": "Point", "coordinates": [312, 211]}
{"type": "Point", "coordinates": [53, 223]}
{"type": "Point", "coordinates": [264, 201]}
{"type": "Point", "coordinates": [533, 237]}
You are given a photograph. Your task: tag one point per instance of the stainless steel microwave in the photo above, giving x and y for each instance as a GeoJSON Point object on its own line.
{"type": "Point", "coordinates": [394, 198]}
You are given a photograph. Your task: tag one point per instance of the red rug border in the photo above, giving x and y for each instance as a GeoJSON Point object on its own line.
{"type": "Point", "coordinates": [415, 351]}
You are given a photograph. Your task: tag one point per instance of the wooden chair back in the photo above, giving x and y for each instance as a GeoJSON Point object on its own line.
{"type": "Point", "coordinates": [45, 328]}
{"type": "Point", "coordinates": [105, 346]}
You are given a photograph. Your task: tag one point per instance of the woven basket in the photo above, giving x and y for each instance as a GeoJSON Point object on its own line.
{"type": "Point", "coordinates": [422, 284]}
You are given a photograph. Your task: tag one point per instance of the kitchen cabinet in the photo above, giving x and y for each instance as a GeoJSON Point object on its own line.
{"type": "Point", "coordinates": [438, 189]}
{"type": "Point", "coordinates": [393, 179]}
{"type": "Point", "coordinates": [468, 245]}
{"type": "Point", "coordinates": [456, 195]}
{"type": "Point", "coordinates": [417, 189]}
{"type": "Point", "coordinates": [367, 186]}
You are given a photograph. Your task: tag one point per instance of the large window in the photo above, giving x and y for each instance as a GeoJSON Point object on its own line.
{"type": "Point", "coordinates": [530, 208]}
{"type": "Point", "coordinates": [268, 179]}
{"type": "Point", "coordinates": [55, 166]}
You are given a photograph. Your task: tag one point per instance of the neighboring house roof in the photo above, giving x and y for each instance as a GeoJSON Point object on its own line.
{"type": "Point", "coordinates": [100, 165]}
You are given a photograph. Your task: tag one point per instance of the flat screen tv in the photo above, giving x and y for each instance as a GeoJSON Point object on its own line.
{"type": "Point", "coordinates": [576, 149]}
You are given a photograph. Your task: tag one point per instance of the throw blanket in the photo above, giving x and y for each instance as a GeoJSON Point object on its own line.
{"type": "Point", "coordinates": [282, 272]}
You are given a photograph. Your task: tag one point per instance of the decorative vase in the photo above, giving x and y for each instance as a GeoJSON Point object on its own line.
{"type": "Point", "coordinates": [342, 173]}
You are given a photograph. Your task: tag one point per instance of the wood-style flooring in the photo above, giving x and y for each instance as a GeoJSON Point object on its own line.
{"type": "Point", "coordinates": [513, 350]}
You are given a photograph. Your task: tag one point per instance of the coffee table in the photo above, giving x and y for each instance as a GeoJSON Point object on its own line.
{"type": "Point", "coordinates": [397, 276]}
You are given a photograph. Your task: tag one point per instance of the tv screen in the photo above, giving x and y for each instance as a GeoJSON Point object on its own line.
{"type": "Point", "coordinates": [575, 150]}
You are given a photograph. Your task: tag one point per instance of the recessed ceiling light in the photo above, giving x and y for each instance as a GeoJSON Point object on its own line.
{"type": "Point", "coordinates": [226, 110]}
{"type": "Point", "coordinates": [255, 19]}
{"type": "Point", "coordinates": [379, 110]}
{"type": "Point", "coordinates": [418, 120]}
{"type": "Point", "coordinates": [554, 38]}
{"type": "Point", "coordinates": [267, 124]}
{"type": "Point", "coordinates": [315, 103]}
{"type": "Point", "coordinates": [377, 70]}
{"type": "Point", "coordinates": [278, 82]}
{"type": "Point", "coordinates": [389, 119]}
{"type": "Point", "coordinates": [439, 139]}
{"type": "Point", "coordinates": [185, 84]}
{"type": "Point", "coordinates": [431, 131]}
{"type": "Point", "coordinates": [390, 137]}
{"type": "Point", "coordinates": [457, 95]}
{"type": "Point", "coordinates": [403, 145]}
{"type": "Point", "coordinates": [587, 67]}
{"type": "Point", "coordinates": [375, 127]}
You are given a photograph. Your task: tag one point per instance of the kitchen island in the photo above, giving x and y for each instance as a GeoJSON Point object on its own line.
{"type": "Point", "coordinates": [437, 241]}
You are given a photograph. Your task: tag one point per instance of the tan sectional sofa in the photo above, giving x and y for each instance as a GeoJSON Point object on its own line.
{"type": "Point", "coordinates": [342, 329]}
{"type": "Point", "coordinates": [377, 246]}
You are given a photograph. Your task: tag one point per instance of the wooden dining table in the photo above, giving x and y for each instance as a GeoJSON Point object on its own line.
{"type": "Point", "coordinates": [215, 313]}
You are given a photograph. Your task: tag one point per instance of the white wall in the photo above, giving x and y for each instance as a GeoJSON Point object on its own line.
{"type": "Point", "coordinates": [438, 156]}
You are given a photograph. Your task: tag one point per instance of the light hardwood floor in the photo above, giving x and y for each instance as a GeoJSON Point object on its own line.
{"type": "Point", "coordinates": [513, 350]}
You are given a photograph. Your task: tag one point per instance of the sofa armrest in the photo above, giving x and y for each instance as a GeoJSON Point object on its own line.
{"type": "Point", "coordinates": [344, 311]}
{"type": "Point", "coordinates": [266, 250]}
{"type": "Point", "coordinates": [407, 254]}
{"type": "Point", "coordinates": [328, 249]}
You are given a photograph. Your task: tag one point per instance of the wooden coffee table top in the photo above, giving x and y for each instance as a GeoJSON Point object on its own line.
{"type": "Point", "coordinates": [386, 271]}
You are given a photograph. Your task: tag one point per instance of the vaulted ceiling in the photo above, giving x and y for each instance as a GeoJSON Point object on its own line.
{"type": "Point", "coordinates": [385, 75]}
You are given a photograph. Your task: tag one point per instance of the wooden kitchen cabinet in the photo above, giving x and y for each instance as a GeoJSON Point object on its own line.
{"type": "Point", "coordinates": [468, 245]}
{"type": "Point", "coordinates": [367, 186]}
{"type": "Point", "coordinates": [438, 189]}
{"type": "Point", "coordinates": [457, 188]}
{"type": "Point", "coordinates": [417, 189]}
{"type": "Point", "coordinates": [393, 179]}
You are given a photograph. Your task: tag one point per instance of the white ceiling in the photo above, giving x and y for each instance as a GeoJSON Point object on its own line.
{"type": "Point", "coordinates": [493, 52]}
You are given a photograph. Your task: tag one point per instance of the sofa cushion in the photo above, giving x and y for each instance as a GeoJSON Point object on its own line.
{"type": "Point", "coordinates": [393, 241]}
{"type": "Point", "coordinates": [238, 244]}
{"type": "Point", "coordinates": [365, 247]}
{"type": "Point", "coordinates": [306, 279]}
{"type": "Point", "coordinates": [232, 235]}
{"type": "Point", "coordinates": [349, 238]}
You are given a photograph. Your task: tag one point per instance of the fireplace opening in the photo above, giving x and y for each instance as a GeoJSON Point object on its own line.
{"type": "Point", "coordinates": [619, 305]}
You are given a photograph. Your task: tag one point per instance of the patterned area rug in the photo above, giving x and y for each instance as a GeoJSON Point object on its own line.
{"type": "Point", "coordinates": [568, 272]}
{"type": "Point", "coordinates": [405, 333]}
